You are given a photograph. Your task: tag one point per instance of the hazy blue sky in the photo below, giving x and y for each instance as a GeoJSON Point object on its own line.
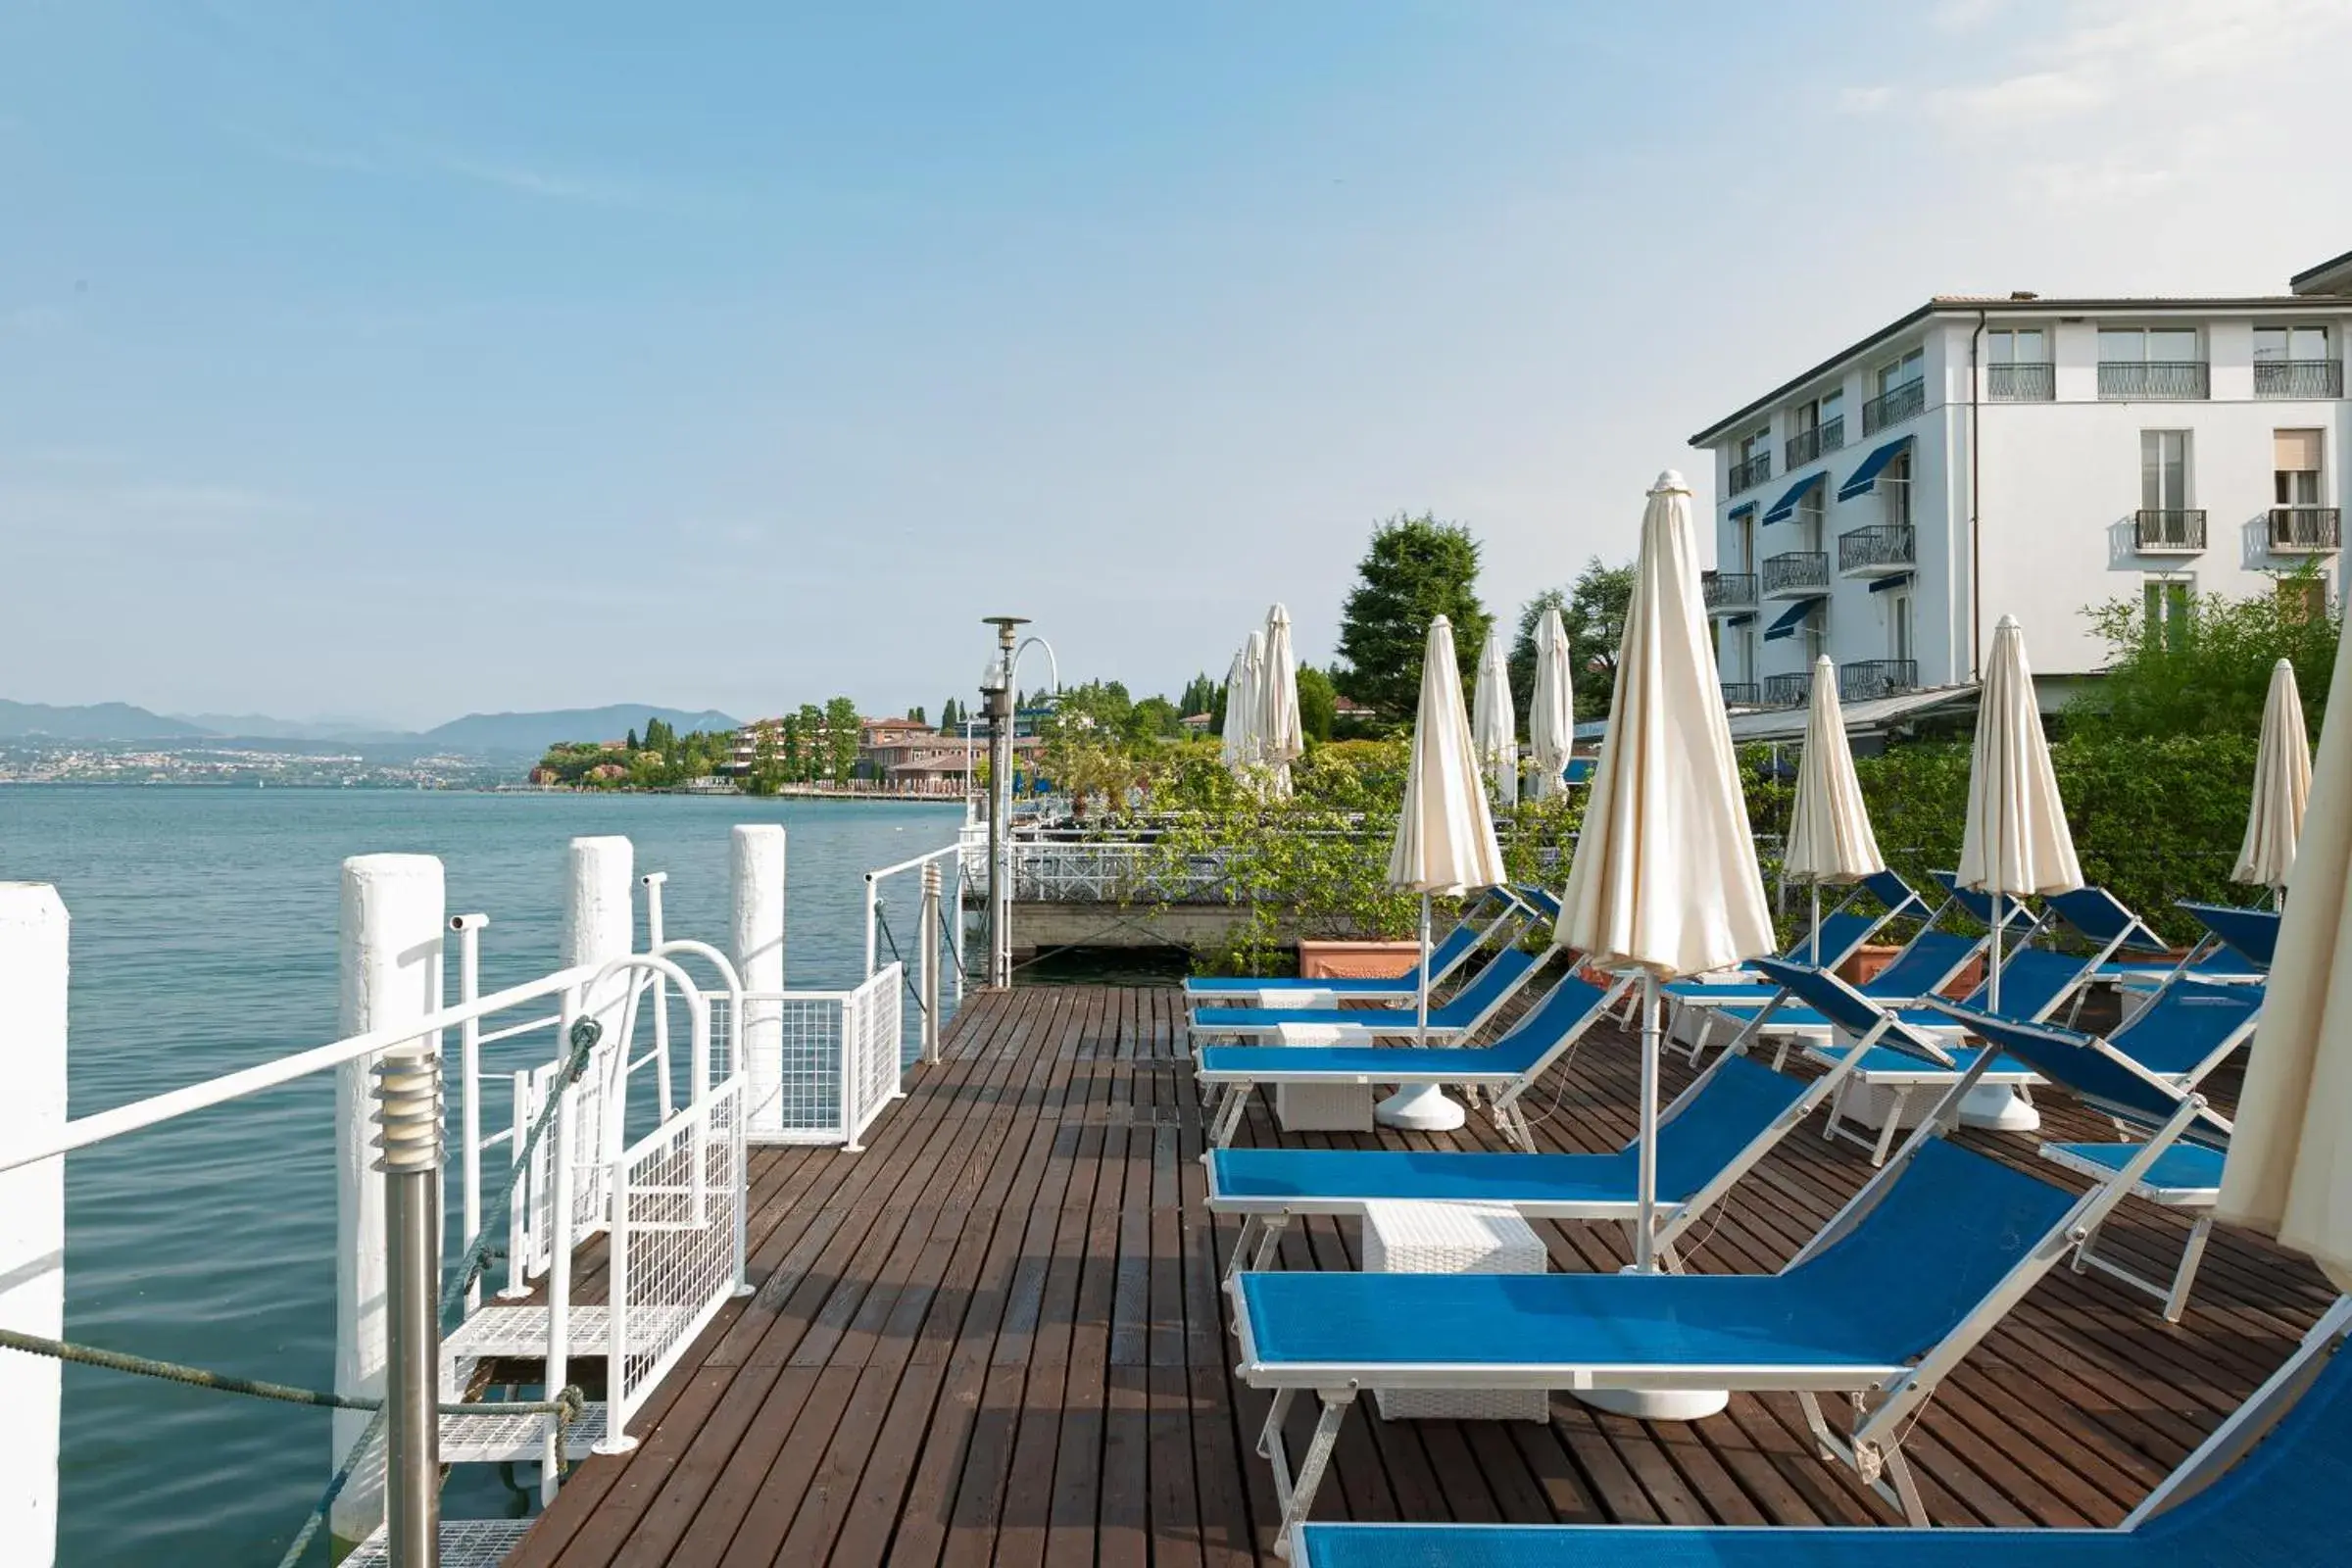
{"type": "Point", "coordinates": [397, 365]}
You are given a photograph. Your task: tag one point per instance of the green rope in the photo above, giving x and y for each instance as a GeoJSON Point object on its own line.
{"type": "Point", "coordinates": [570, 1404]}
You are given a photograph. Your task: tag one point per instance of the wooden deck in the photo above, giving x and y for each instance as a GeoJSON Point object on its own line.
{"type": "Point", "coordinates": [996, 1336]}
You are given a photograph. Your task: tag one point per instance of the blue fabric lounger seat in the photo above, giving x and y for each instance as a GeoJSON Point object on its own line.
{"type": "Point", "coordinates": [2279, 1504]}
{"type": "Point", "coordinates": [1509, 1066]}
{"type": "Point", "coordinates": [1859, 1309]}
{"type": "Point", "coordinates": [2142, 1075]}
{"type": "Point", "coordinates": [1459, 1013]}
{"type": "Point", "coordinates": [1709, 1138]}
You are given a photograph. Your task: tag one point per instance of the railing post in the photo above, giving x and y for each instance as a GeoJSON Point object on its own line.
{"type": "Point", "coordinates": [872, 906]}
{"type": "Point", "coordinates": [468, 928]}
{"type": "Point", "coordinates": [408, 1088]}
{"type": "Point", "coordinates": [654, 935]}
{"type": "Point", "coordinates": [33, 958]}
{"type": "Point", "coordinates": [520, 1204]}
{"type": "Point", "coordinates": [393, 917]}
{"type": "Point", "coordinates": [757, 949]}
{"type": "Point", "coordinates": [563, 1135]}
{"type": "Point", "coordinates": [927, 958]}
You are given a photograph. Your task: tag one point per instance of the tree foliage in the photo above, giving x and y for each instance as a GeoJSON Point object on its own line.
{"type": "Point", "coordinates": [1318, 703]}
{"type": "Point", "coordinates": [1201, 696]}
{"type": "Point", "coordinates": [1416, 570]}
{"type": "Point", "coordinates": [2209, 674]}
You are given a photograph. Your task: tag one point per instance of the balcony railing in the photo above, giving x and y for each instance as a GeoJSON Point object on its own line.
{"type": "Point", "coordinates": [1878, 552]}
{"type": "Point", "coordinates": [2151, 379]}
{"type": "Point", "coordinates": [1754, 471]}
{"type": "Point", "coordinates": [2168, 531]}
{"type": "Point", "coordinates": [1893, 408]}
{"type": "Point", "coordinates": [1806, 444]}
{"type": "Point", "coordinates": [1743, 694]}
{"type": "Point", "coordinates": [1788, 691]}
{"type": "Point", "coordinates": [2020, 383]}
{"type": "Point", "coordinates": [2307, 530]}
{"type": "Point", "coordinates": [1797, 572]}
{"type": "Point", "coordinates": [2298, 379]}
{"type": "Point", "coordinates": [1729, 590]}
{"type": "Point", "coordinates": [1866, 678]}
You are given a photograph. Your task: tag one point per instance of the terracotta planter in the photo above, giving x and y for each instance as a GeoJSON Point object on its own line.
{"type": "Point", "coordinates": [1864, 967]}
{"type": "Point", "coordinates": [1355, 960]}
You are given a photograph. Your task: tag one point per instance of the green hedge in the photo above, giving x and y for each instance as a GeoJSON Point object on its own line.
{"type": "Point", "coordinates": [2154, 820]}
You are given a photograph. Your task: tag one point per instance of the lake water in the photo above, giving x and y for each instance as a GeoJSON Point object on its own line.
{"type": "Point", "coordinates": [203, 940]}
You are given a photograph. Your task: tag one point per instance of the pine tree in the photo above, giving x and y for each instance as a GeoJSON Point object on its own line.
{"type": "Point", "coordinates": [631, 744]}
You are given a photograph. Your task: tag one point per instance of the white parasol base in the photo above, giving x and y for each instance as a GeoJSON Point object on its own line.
{"type": "Point", "coordinates": [1996, 1107]}
{"type": "Point", "coordinates": [1423, 1109]}
{"type": "Point", "coordinates": [1655, 1404]}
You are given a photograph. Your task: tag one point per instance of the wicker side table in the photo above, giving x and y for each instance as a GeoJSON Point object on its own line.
{"type": "Point", "coordinates": [1405, 1238]}
{"type": "Point", "coordinates": [1319, 1107]}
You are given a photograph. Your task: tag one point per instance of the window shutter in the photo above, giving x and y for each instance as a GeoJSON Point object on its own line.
{"type": "Point", "coordinates": [2298, 451]}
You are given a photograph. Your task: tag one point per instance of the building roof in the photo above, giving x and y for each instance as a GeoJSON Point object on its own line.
{"type": "Point", "coordinates": [2331, 277]}
{"type": "Point", "coordinates": [1967, 306]}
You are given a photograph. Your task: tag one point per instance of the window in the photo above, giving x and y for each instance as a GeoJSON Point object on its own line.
{"type": "Point", "coordinates": [2017, 345]}
{"type": "Point", "coordinates": [1897, 373]}
{"type": "Point", "coordinates": [1898, 625]}
{"type": "Point", "coordinates": [2275, 344]}
{"type": "Point", "coordinates": [1755, 445]}
{"type": "Point", "coordinates": [2164, 470]}
{"type": "Point", "coordinates": [1752, 464]}
{"type": "Point", "coordinates": [2295, 475]}
{"type": "Point", "coordinates": [2148, 345]}
{"type": "Point", "coordinates": [2303, 597]}
{"type": "Point", "coordinates": [2172, 606]}
{"type": "Point", "coordinates": [1895, 490]}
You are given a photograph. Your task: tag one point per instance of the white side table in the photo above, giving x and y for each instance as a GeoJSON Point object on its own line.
{"type": "Point", "coordinates": [1319, 1107]}
{"type": "Point", "coordinates": [1407, 1237]}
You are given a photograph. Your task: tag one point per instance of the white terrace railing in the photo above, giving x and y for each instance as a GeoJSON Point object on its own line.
{"type": "Point", "coordinates": [661, 1175]}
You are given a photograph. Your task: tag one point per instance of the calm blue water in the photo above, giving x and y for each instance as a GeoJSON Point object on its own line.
{"type": "Point", "coordinates": [203, 939]}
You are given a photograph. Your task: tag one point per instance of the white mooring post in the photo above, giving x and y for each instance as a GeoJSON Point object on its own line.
{"type": "Point", "coordinates": [600, 924]}
{"type": "Point", "coordinates": [32, 1211]}
{"type": "Point", "coordinates": [394, 916]}
{"type": "Point", "coordinates": [758, 950]}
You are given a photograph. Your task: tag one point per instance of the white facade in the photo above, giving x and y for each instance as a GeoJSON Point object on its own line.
{"type": "Point", "coordinates": [2120, 448]}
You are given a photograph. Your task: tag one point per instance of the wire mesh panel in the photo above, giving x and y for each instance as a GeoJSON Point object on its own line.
{"type": "Point", "coordinates": [792, 1055]}
{"type": "Point", "coordinates": [870, 1027]}
{"type": "Point", "coordinates": [675, 1253]}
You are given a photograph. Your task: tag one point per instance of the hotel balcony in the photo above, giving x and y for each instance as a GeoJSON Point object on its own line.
{"type": "Point", "coordinates": [2167, 532]}
{"type": "Point", "coordinates": [1806, 444]}
{"type": "Point", "coordinates": [2306, 530]}
{"type": "Point", "coordinates": [2020, 383]}
{"type": "Point", "coordinates": [2151, 380]}
{"type": "Point", "coordinates": [1788, 691]}
{"type": "Point", "coordinates": [1741, 694]}
{"type": "Point", "coordinates": [1727, 593]}
{"type": "Point", "coordinates": [1881, 552]}
{"type": "Point", "coordinates": [1893, 408]}
{"type": "Point", "coordinates": [2298, 379]}
{"type": "Point", "coordinates": [1751, 473]}
{"type": "Point", "coordinates": [1797, 574]}
{"type": "Point", "coordinates": [1868, 678]}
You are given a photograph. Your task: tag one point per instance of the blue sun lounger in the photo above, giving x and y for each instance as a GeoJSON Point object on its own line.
{"type": "Point", "coordinates": [1884, 1301]}
{"type": "Point", "coordinates": [2140, 1076]}
{"type": "Point", "coordinates": [1713, 1134]}
{"type": "Point", "coordinates": [2234, 950]}
{"type": "Point", "coordinates": [1461, 1013]}
{"type": "Point", "coordinates": [2265, 1487]}
{"type": "Point", "coordinates": [1479, 927]}
{"type": "Point", "coordinates": [1506, 1068]}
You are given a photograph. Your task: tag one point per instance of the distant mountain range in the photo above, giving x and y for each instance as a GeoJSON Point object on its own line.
{"type": "Point", "coordinates": [475, 734]}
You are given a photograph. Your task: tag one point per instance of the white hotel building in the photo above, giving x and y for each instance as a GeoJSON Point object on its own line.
{"type": "Point", "coordinates": [2027, 457]}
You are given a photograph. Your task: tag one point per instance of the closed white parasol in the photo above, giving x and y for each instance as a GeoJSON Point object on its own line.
{"type": "Point", "coordinates": [1551, 711]}
{"type": "Point", "coordinates": [2281, 786]}
{"type": "Point", "coordinates": [1444, 840]}
{"type": "Point", "coordinates": [1829, 834]}
{"type": "Point", "coordinates": [1494, 727]}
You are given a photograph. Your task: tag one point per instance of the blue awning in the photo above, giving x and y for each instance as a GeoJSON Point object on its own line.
{"type": "Point", "coordinates": [1740, 619]}
{"type": "Point", "coordinates": [1742, 510]}
{"type": "Point", "coordinates": [1862, 478]}
{"type": "Point", "coordinates": [1785, 508]}
{"type": "Point", "coordinates": [1901, 580]}
{"type": "Point", "coordinates": [1792, 618]}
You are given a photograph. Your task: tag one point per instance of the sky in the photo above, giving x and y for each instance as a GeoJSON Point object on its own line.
{"type": "Point", "coordinates": [395, 362]}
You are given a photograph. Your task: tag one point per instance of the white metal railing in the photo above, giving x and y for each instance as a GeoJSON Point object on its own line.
{"type": "Point", "coordinates": [822, 1064]}
{"type": "Point", "coordinates": [677, 1247]}
{"type": "Point", "coordinates": [954, 860]}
